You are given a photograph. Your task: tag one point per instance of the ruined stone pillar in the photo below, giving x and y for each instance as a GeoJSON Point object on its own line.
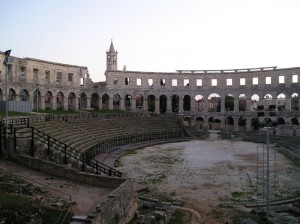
{"type": "Point", "coordinates": [76, 106]}
{"type": "Point", "coordinates": [157, 105]}
{"type": "Point", "coordinates": [180, 109]}
{"type": "Point", "coordinates": [236, 123]}
{"type": "Point", "coordinates": [133, 105]}
{"type": "Point", "coordinates": [248, 123]}
{"type": "Point", "coordinates": [145, 104]}
{"type": "Point", "coordinates": [88, 103]}
{"type": "Point", "coordinates": [205, 109]}
{"type": "Point", "coordinates": [223, 109]}
{"type": "Point", "coordinates": [110, 104]}
{"type": "Point", "coordinates": [122, 104]}
{"type": "Point", "coordinates": [288, 103]}
{"type": "Point", "coordinates": [169, 105]}
{"type": "Point", "coordinates": [42, 102]}
{"type": "Point", "coordinates": [236, 105]}
{"type": "Point", "coordinates": [66, 103]}
{"type": "Point", "coordinates": [248, 104]}
{"type": "Point", "coordinates": [193, 105]}
{"type": "Point", "coordinates": [100, 103]}
{"type": "Point", "coordinates": [54, 100]}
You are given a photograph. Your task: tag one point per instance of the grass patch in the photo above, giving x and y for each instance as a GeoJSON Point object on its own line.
{"type": "Point", "coordinates": [57, 112]}
{"type": "Point", "coordinates": [181, 217]}
{"type": "Point", "coordinates": [107, 111]}
{"type": "Point", "coordinates": [13, 113]}
{"type": "Point", "coordinates": [239, 194]}
{"type": "Point", "coordinates": [238, 216]}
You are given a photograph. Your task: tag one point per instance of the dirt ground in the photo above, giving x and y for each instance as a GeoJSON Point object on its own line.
{"type": "Point", "coordinates": [84, 198]}
{"type": "Point", "coordinates": [210, 175]}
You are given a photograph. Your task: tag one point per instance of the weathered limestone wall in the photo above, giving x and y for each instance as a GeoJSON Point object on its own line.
{"type": "Point", "coordinates": [120, 206]}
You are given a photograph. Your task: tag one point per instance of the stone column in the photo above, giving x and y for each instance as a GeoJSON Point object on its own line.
{"type": "Point", "coordinates": [288, 103]}
{"type": "Point", "coordinates": [193, 105]}
{"type": "Point", "coordinates": [42, 106]}
{"type": "Point", "coordinates": [88, 103]}
{"type": "Point", "coordinates": [236, 123]}
{"type": "Point", "coordinates": [66, 103]}
{"type": "Point", "coordinates": [100, 103]}
{"type": "Point", "coordinates": [145, 103]}
{"type": "Point", "coordinates": [157, 105]}
{"type": "Point", "coordinates": [54, 100]}
{"type": "Point", "coordinates": [122, 103]}
{"type": "Point", "coordinates": [248, 123]}
{"type": "Point", "coordinates": [248, 104]}
{"type": "Point", "coordinates": [223, 109]}
{"type": "Point", "coordinates": [76, 103]}
{"type": "Point", "coordinates": [180, 109]}
{"type": "Point", "coordinates": [110, 103]}
{"type": "Point", "coordinates": [205, 109]}
{"type": "Point", "coordinates": [236, 105]}
{"type": "Point", "coordinates": [133, 105]}
{"type": "Point", "coordinates": [169, 105]}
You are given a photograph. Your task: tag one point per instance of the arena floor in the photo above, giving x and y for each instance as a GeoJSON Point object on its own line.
{"type": "Point", "coordinates": [212, 177]}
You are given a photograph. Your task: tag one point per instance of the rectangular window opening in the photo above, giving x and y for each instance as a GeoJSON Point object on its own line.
{"type": "Point", "coordinates": [199, 82]}
{"type": "Point", "coordinates": [126, 81]}
{"type": "Point", "coordinates": [242, 81]}
{"type": "Point", "coordinates": [138, 82]}
{"type": "Point", "coordinates": [281, 79]}
{"type": "Point", "coordinates": [186, 82]}
{"type": "Point", "coordinates": [70, 77]}
{"type": "Point", "coordinates": [229, 82]}
{"type": "Point", "coordinates": [174, 82]}
{"type": "Point", "coordinates": [295, 78]}
{"type": "Point", "coordinates": [214, 82]}
{"type": "Point", "coordinates": [58, 77]}
{"type": "Point", "coordinates": [268, 80]}
{"type": "Point", "coordinates": [255, 81]}
{"type": "Point", "coordinates": [150, 82]}
{"type": "Point", "coordinates": [162, 82]}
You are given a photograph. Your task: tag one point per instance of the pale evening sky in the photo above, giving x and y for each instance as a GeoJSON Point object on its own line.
{"type": "Point", "coordinates": [154, 35]}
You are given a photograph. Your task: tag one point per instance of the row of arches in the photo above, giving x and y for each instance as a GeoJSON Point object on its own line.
{"type": "Point", "coordinates": [216, 122]}
{"type": "Point", "coordinates": [152, 103]}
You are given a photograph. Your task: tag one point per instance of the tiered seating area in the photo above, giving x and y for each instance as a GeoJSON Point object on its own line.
{"type": "Point", "coordinates": [81, 134]}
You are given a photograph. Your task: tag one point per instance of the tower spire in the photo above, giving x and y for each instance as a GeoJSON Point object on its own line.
{"type": "Point", "coordinates": [111, 58]}
{"type": "Point", "coordinates": [112, 48]}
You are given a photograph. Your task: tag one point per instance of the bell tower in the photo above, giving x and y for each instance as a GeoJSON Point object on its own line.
{"type": "Point", "coordinates": [111, 58]}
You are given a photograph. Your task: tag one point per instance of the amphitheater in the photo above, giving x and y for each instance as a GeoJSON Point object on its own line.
{"type": "Point", "coordinates": [158, 108]}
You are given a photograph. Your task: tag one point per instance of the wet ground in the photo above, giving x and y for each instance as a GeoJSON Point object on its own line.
{"type": "Point", "coordinates": [210, 175]}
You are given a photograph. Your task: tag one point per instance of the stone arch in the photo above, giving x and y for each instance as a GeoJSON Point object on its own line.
{"type": "Point", "coordinates": [229, 123]}
{"type": "Point", "coordinates": [294, 121]}
{"type": "Point", "coordinates": [214, 102]}
{"type": "Point", "coordinates": [105, 101]}
{"type": "Point", "coordinates": [199, 103]}
{"type": "Point", "coordinates": [280, 121]}
{"type": "Point", "coordinates": [242, 102]}
{"type": "Point", "coordinates": [175, 103]}
{"type": "Point", "coordinates": [254, 102]}
{"type": "Point", "coordinates": [187, 121]}
{"type": "Point", "coordinates": [254, 123]}
{"type": "Point", "coordinates": [127, 101]}
{"type": "Point", "coordinates": [281, 102]}
{"type": "Point", "coordinates": [199, 123]}
{"type": "Point", "coordinates": [229, 102]}
{"type": "Point", "coordinates": [151, 103]}
{"type": "Point", "coordinates": [48, 98]}
{"type": "Point", "coordinates": [82, 102]}
{"type": "Point", "coordinates": [163, 104]}
{"type": "Point", "coordinates": [24, 95]}
{"type": "Point", "coordinates": [295, 102]}
{"type": "Point", "coordinates": [214, 123]}
{"type": "Point", "coordinates": [139, 99]}
{"type": "Point", "coordinates": [95, 99]}
{"type": "Point", "coordinates": [187, 103]}
{"type": "Point", "coordinates": [71, 101]}
{"type": "Point", "coordinates": [12, 94]}
{"type": "Point", "coordinates": [36, 99]}
{"type": "Point", "coordinates": [116, 102]}
{"type": "Point", "coordinates": [60, 100]}
{"type": "Point", "coordinates": [242, 122]}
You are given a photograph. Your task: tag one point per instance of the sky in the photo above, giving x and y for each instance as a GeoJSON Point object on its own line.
{"type": "Point", "coordinates": [154, 35]}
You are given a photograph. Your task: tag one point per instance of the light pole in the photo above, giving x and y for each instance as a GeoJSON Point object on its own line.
{"type": "Point", "coordinates": [6, 63]}
{"type": "Point", "coordinates": [37, 98]}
